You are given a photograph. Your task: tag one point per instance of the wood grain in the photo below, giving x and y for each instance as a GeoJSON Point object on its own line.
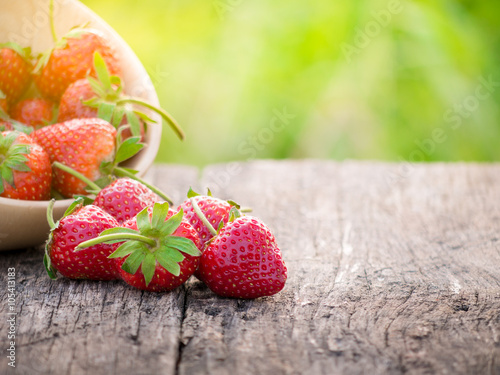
{"type": "Point", "coordinates": [392, 268]}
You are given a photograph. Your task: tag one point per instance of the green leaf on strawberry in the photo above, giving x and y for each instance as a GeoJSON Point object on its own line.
{"type": "Point", "coordinates": [13, 157]}
{"type": "Point", "coordinates": [150, 241]}
{"type": "Point", "coordinates": [16, 125]}
{"type": "Point", "coordinates": [209, 214]}
{"type": "Point", "coordinates": [24, 52]}
{"type": "Point", "coordinates": [43, 58]}
{"type": "Point", "coordinates": [128, 148]}
{"type": "Point", "coordinates": [105, 111]}
{"type": "Point", "coordinates": [134, 122]}
{"type": "Point", "coordinates": [102, 73]}
{"type": "Point", "coordinates": [108, 89]}
{"type": "Point", "coordinates": [191, 194]}
{"type": "Point", "coordinates": [234, 213]}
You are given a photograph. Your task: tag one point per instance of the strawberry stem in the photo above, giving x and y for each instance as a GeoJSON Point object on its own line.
{"type": "Point", "coordinates": [164, 114]}
{"type": "Point", "coordinates": [202, 217]}
{"type": "Point", "coordinates": [50, 214]}
{"type": "Point", "coordinates": [122, 172]}
{"type": "Point", "coordinates": [116, 238]}
{"type": "Point", "coordinates": [52, 25]}
{"type": "Point", "coordinates": [56, 195]}
{"type": "Point", "coordinates": [78, 175]}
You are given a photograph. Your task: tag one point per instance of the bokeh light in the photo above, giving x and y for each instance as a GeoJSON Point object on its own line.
{"type": "Point", "coordinates": [389, 80]}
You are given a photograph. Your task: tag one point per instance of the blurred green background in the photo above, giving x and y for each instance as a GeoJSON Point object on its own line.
{"type": "Point", "coordinates": [390, 80]}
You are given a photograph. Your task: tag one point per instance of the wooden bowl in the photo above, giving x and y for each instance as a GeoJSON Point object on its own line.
{"type": "Point", "coordinates": [23, 223]}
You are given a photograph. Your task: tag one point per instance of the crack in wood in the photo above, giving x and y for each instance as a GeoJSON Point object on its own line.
{"type": "Point", "coordinates": [399, 312]}
{"type": "Point", "coordinates": [180, 343]}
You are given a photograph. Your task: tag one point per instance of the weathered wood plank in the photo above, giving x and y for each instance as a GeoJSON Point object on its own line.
{"type": "Point", "coordinates": [384, 277]}
{"type": "Point", "coordinates": [391, 270]}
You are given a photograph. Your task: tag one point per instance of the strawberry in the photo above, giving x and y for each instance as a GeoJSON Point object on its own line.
{"type": "Point", "coordinates": [125, 198]}
{"type": "Point", "coordinates": [82, 144]}
{"type": "Point", "coordinates": [161, 250]}
{"type": "Point", "coordinates": [34, 112]}
{"type": "Point", "coordinates": [4, 104]}
{"type": "Point", "coordinates": [243, 261]}
{"type": "Point", "coordinates": [15, 70]}
{"type": "Point", "coordinates": [79, 224]}
{"type": "Point", "coordinates": [72, 59]}
{"type": "Point", "coordinates": [71, 105]}
{"type": "Point", "coordinates": [103, 97]}
{"type": "Point", "coordinates": [79, 92]}
{"type": "Point", "coordinates": [93, 171]}
{"type": "Point", "coordinates": [8, 123]}
{"type": "Point", "coordinates": [213, 210]}
{"type": "Point", "coordinates": [25, 170]}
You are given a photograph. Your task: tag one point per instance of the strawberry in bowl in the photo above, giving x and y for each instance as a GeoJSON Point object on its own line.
{"type": "Point", "coordinates": [23, 223]}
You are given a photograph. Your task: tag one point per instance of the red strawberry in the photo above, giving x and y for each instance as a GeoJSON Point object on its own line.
{"type": "Point", "coordinates": [161, 251]}
{"type": "Point", "coordinates": [213, 209]}
{"type": "Point", "coordinates": [35, 112]}
{"type": "Point", "coordinates": [243, 261]}
{"type": "Point", "coordinates": [72, 106]}
{"type": "Point", "coordinates": [15, 70]}
{"type": "Point", "coordinates": [78, 225]}
{"type": "Point", "coordinates": [124, 198]}
{"type": "Point", "coordinates": [82, 144]}
{"type": "Point", "coordinates": [105, 96]}
{"type": "Point", "coordinates": [4, 104]}
{"type": "Point", "coordinates": [25, 170]}
{"type": "Point", "coordinates": [72, 59]}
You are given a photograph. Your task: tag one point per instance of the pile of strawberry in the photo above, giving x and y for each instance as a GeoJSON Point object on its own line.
{"type": "Point", "coordinates": [128, 233]}
{"type": "Point", "coordinates": [67, 106]}
{"type": "Point", "coordinates": [66, 126]}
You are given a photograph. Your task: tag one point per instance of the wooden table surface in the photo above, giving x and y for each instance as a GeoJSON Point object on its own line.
{"type": "Point", "coordinates": [392, 269]}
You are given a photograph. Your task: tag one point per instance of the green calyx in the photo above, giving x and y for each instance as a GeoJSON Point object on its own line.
{"type": "Point", "coordinates": [112, 105]}
{"type": "Point", "coordinates": [234, 212]}
{"type": "Point", "coordinates": [12, 158]}
{"type": "Point", "coordinates": [108, 89]}
{"type": "Point", "coordinates": [18, 126]}
{"type": "Point", "coordinates": [151, 244]}
{"type": "Point", "coordinates": [24, 52]}
{"type": "Point", "coordinates": [191, 194]}
{"type": "Point", "coordinates": [124, 172]}
{"type": "Point", "coordinates": [74, 33]}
